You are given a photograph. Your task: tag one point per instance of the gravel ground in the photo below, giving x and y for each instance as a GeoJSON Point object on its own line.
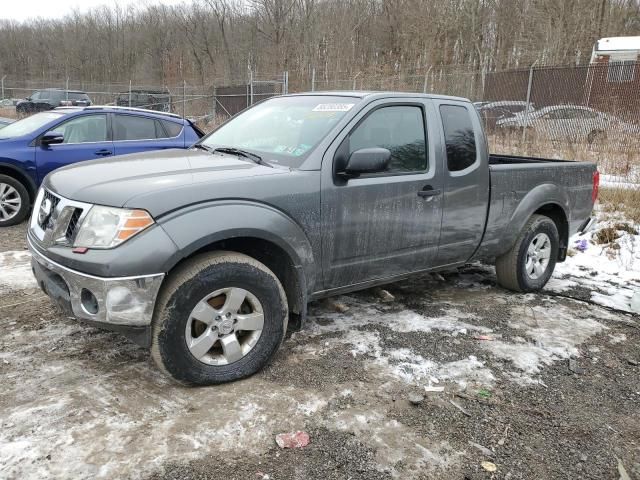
{"type": "Point", "coordinates": [13, 238]}
{"type": "Point", "coordinates": [540, 386]}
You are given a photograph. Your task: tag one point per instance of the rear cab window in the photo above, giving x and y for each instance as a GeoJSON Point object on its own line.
{"type": "Point", "coordinates": [459, 136]}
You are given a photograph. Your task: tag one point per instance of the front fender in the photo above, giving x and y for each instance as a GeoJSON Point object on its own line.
{"type": "Point", "coordinates": [197, 226]}
{"type": "Point", "coordinates": [539, 196]}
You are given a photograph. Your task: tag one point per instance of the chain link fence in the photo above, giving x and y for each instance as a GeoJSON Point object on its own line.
{"type": "Point", "coordinates": [576, 113]}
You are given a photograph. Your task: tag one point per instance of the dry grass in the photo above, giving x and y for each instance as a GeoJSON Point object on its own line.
{"type": "Point", "coordinates": [613, 157]}
{"type": "Point", "coordinates": [625, 201]}
{"type": "Point", "coordinates": [8, 112]}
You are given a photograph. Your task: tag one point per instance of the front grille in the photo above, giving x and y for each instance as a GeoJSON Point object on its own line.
{"type": "Point", "coordinates": [56, 219]}
{"type": "Point", "coordinates": [74, 224]}
{"type": "Point", "coordinates": [45, 221]}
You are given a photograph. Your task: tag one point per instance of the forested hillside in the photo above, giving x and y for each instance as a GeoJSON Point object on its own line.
{"type": "Point", "coordinates": [220, 39]}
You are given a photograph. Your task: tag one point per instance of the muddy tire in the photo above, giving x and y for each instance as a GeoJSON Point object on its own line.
{"type": "Point", "coordinates": [219, 317]}
{"type": "Point", "coordinates": [14, 201]}
{"type": "Point", "coordinates": [529, 264]}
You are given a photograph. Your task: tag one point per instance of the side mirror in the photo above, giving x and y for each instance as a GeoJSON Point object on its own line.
{"type": "Point", "coordinates": [368, 160]}
{"type": "Point", "coordinates": [51, 138]}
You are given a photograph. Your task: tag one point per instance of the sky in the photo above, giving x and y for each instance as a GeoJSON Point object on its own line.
{"type": "Point", "coordinates": [24, 9]}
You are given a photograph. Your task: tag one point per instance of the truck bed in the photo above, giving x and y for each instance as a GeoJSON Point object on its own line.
{"type": "Point", "coordinates": [515, 160]}
{"type": "Point", "coordinates": [518, 182]}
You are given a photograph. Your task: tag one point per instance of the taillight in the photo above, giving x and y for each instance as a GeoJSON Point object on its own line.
{"type": "Point", "coordinates": [596, 185]}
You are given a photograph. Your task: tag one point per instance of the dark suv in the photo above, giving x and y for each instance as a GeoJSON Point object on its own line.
{"type": "Point", "coordinates": [159, 100]}
{"type": "Point", "coordinates": [50, 98]}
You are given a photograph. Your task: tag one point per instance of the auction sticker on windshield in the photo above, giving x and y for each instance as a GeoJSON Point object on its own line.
{"type": "Point", "coordinates": [333, 107]}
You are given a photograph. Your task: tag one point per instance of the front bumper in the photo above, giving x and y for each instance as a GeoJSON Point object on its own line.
{"type": "Point", "coordinates": [113, 302]}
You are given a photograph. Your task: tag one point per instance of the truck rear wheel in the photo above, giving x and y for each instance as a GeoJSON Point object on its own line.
{"type": "Point", "coordinates": [219, 317]}
{"type": "Point", "coordinates": [14, 201]}
{"type": "Point", "coordinates": [529, 264]}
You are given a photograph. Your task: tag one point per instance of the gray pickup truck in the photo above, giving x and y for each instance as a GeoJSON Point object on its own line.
{"type": "Point", "coordinates": [209, 255]}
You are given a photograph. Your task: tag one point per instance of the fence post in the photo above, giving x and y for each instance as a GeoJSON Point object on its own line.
{"type": "Point", "coordinates": [250, 86]}
{"type": "Point", "coordinates": [285, 82]}
{"type": "Point", "coordinates": [184, 98]}
{"type": "Point", "coordinates": [354, 80]}
{"type": "Point", "coordinates": [526, 109]}
{"type": "Point", "coordinates": [129, 93]}
{"type": "Point", "coordinates": [67, 89]}
{"type": "Point", "coordinates": [213, 107]}
{"type": "Point", "coordinates": [2, 81]}
{"type": "Point", "coordinates": [426, 75]}
{"type": "Point", "coordinates": [313, 79]}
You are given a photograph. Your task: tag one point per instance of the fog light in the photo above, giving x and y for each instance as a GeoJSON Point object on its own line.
{"type": "Point", "coordinates": [89, 301]}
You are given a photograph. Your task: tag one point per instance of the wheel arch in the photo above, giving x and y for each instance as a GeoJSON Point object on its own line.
{"type": "Point", "coordinates": [254, 229]}
{"type": "Point", "coordinates": [547, 199]}
{"type": "Point", "coordinates": [275, 258]}
{"type": "Point", "coordinates": [557, 214]}
{"type": "Point", "coordinates": [26, 180]}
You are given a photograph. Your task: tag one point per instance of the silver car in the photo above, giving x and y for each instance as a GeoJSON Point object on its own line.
{"type": "Point", "coordinates": [571, 123]}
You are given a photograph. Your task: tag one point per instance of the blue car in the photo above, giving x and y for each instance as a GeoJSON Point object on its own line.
{"type": "Point", "coordinates": [33, 147]}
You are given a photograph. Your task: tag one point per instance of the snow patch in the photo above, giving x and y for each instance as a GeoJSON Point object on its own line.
{"type": "Point", "coordinates": [550, 336]}
{"type": "Point", "coordinates": [405, 365]}
{"type": "Point", "coordinates": [393, 441]}
{"type": "Point", "coordinates": [612, 275]}
{"type": "Point", "coordinates": [15, 271]}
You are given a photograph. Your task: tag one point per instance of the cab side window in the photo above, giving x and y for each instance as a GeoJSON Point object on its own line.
{"type": "Point", "coordinates": [459, 137]}
{"type": "Point", "coordinates": [399, 129]}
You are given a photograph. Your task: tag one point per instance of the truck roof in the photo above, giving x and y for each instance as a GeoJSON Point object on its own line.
{"type": "Point", "coordinates": [379, 94]}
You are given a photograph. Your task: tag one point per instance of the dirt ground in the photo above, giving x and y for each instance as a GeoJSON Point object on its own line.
{"type": "Point", "coordinates": [541, 386]}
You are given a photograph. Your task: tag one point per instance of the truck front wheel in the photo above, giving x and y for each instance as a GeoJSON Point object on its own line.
{"type": "Point", "coordinates": [529, 264]}
{"type": "Point", "coordinates": [220, 317]}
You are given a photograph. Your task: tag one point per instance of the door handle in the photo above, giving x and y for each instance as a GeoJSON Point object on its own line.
{"type": "Point", "coordinates": [428, 191]}
{"type": "Point", "coordinates": [104, 152]}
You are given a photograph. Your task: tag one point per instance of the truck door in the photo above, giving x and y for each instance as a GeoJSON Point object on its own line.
{"type": "Point", "coordinates": [466, 182]}
{"type": "Point", "coordinates": [383, 224]}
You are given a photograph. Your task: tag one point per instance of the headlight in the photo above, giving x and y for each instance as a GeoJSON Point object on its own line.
{"type": "Point", "coordinates": [107, 227]}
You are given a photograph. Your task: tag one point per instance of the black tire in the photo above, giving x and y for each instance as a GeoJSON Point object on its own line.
{"type": "Point", "coordinates": [189, 284]}
{"type": "Point", "coordinates": [25, 201]}
{"type": "Point", "coordinates": [510, 267]}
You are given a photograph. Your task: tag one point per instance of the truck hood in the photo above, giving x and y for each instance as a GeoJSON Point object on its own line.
{"type": "Point", "coordinates": [119, 181]}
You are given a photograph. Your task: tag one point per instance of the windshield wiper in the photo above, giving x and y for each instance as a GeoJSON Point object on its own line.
{"type": "Point", "coordinates": [204, 147]}
{"type": "Point", "coordinates": [243, 153]}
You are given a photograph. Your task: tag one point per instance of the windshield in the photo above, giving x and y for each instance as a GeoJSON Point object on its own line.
{"type": "Point", "coordinates": [282, 130]}
{"type": "Point", "coordinates": [29, 124]}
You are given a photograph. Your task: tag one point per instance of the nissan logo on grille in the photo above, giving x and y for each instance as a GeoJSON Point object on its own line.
{"type": "Point", "coordinates": [44, 214]}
